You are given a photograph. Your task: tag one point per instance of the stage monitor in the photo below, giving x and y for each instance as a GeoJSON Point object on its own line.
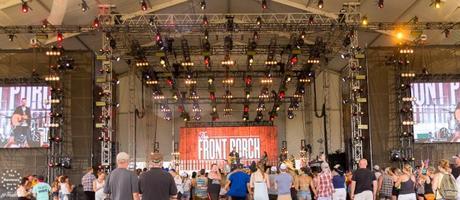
{"type": "Point", "coordinates": [201, 147]}
{"type": "Point", "coordinates": [24, 115]}
{"type": "Point", "coordinates": [436, 111]}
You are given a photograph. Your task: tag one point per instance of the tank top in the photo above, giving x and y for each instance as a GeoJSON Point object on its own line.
{"type": "Point", "coordinates": [201, 189]}
{"type": "Point", "coordinates": [429, 188]}
{"type": "Point", "coordinates": [407, 187]}
{"type": "Point", "coordinates": [63, 188]}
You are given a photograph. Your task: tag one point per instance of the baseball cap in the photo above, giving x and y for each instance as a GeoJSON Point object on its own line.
{"type": "Point", "coordinates": [283, 166]}
{"type": "Point", "coordinates": [456, 156]}
{"type": "Point", "coordinates": [41, 178]}
{"type": "Point", "coordinates": [273, 168]}
{"type": "Point", "coordinates": [337, 166]}
{"type": "Point", "coordinates": [183, 174]}
{"type": "Point", "coordinates": [156, 157]}
{"type": "Point", "coordinates": [376, 167]}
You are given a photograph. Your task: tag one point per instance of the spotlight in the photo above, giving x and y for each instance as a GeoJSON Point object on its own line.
{"type": "Point", "coordinates": [84, 6]}
{"type": "Point", "coordinates": [59, 37]}
{"type": "Point", "coordinates": [290, 114]}
{"type": "Point", "coordinates": [248, 81]}
{"type": "Point", "coordinates": [144, 6]}
{"type": "Point", "coordinates": [259, 20]}
{"type": "Point", "coordinates": [25, 7]}
{"type": "Point", "coordinates": [302, 35]}
{"type": "Point", "coordinates": [320, 4]}
{"type": "Point", "coordinates": [364, 21]}
{"type": "Point", "coordinates": [255, 35]}
{"type": "Point", "coordinates": [294, 59]}
{"type": "Point", "coordinates": [205, 20]}
{"type": "Point", "coordinates": [206, 34]}
{"type": "Point", "coordinates": [151, 21]}
{"type": "Point", "coordinates": [264, 4]}
{"type": "Point", "coordinates": [11, 37]}
{"type": "Point", "coordinates": [437, 3]}
{"type": "Point", "coordinates": [96, 23]}
{"type": "Point", "coordinates": [399, 35]}
{"type": "Point", "coordinates": [380, 3]}
{"type": "Point", "coordinates": [203, 5]}
{"type": "Point", "coordinates": [250, 60]}
{"type": "Point", "coordinates": [45, 23]}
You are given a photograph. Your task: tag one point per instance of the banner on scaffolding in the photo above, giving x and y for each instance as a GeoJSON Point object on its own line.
{"type": "Point", "coordinates": [202, 146]}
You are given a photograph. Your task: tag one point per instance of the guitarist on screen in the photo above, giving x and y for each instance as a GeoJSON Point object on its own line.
{"type": "Point", "coordinates": [457, 124]}
{"type": "Point", "coordinates": [20, 125]}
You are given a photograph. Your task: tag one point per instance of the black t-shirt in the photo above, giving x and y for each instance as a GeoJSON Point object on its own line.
{"type": "Point", "coordinates": [364, 179]}
{"type": "Point", "coordinates": [455, 171]}
{"type": "Point", "coordinates": [157, 184]}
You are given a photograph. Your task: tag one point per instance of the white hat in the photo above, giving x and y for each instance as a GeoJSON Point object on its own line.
{"type": "Point", "coordinates": [376, 168]}
{"type": "Point", "coordinates": [122, 157]}
{"type": "Point", "coordinates": [283, 166]}
{"type": "Point", "coordinates": [183, 174]}
{"type": "Point", "coordinates": [273, 168]}
{"type": "Point", "coordinates": [324, 166]}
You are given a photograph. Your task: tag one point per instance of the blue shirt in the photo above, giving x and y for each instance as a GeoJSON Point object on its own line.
{"type": "Point", "coordinates": [41, 191]}
{"type": "Point", "coordinates": [238, 186]}
{"type": "Point", "coordinates": [284, 183]}
{"type": "Point", "coordinates": [338, 181]}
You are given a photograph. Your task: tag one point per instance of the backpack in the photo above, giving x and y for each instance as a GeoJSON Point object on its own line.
{"type": "Point", "coordinates": [448, 187]}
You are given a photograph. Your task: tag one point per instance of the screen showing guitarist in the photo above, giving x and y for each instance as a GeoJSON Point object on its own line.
{"type": "Point", "coordinates": [20, 124]}
{"type": "Point", "coordinates": [234, 157]}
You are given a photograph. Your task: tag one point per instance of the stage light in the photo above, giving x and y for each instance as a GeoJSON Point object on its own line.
{"type": "Point", "coordinates": [302, 35]}
{"type": "Point", "coordinates": [228, 43]}
{"type": "Point", "coordinates": [212, 96]}
{"type": "Point", "coordinates": [210, 80]}
{"type": "Point", "coordinates": [228, 62]}
{"type": "Point", "coordinates": [399, 35]}
{"type": "Point", "coordinates": [142, 63]}
{"type": "Point", "coordinates": [53, 52]}
{"type": "Point", "coordinates": [364, 21]}
{"type": "Point", "coordinates": [266, 81]}
{"type": "Point", "coordinates": [190, 82]}
{"type": "Point", "coordinates": [187, 64]}
{"type": "Point", "coordinates": [408, 123]}
{"type": "Point", "coordinates": [144, 6]}
{"type": "Point", "coordinates": [304, 80]}
{"type": "Point", "coordinates": [272, 117]}
{"type": "Point", "coordinates": [197, 116]}
{"type": "Point", "coordinates": [203, 5]}
{"type": "Point", "coordinates": [259, 20]}
{"type": "Point", "coordinates": [84, 6]}
{"type": "Point", "coordinates": [163, 61]}
{"type": "Point", "coordinates": [175, 97]}
{"type": "Point", "coordinates": [288, 79]}
{"type": "Point", "coordinates": [437, 3]}
{"type": "Point", "coordinates": [151, 82]}
{"type": "Point", "coordinates": [25, 7]}
{"type": "Point", "coordinates": [380, 3]}
{"type": "Point", "coordinates": [271, 62]}
{"type": "Point", "coordinates": [259, 116]}
{"type": "Point", "coordinates": [311, 19]}
{"type": "Point", "coordinates": [45, 23]}
{"type": "Point", "coordinates": [406, 51]}
{"type": "Point", "coordinates": [290, 114]}
{"type": "Point", "coordinates": [264, 4]}
{"type": "Point", "coordinates": [313, 61]}
{"type": "Point", "coordinates": [446, 32]}
{"type": "Point", "coordinates": [185, 116]}
{"type": "Point", "coordinates": [246, 108]}
{"type": "Point", "coordinates": [96, 23]}
{"type": "Point", "coordinates": [228, 95]}
{"type": "Point", "coordinates": [214, 109]}
{"type": "Point", "coordinates": [248, 80]}
{"type": "Point", "coordinates": [320, 4]}
{"type": "Point", "coordinates": [248, 94]}
{"type": "Point", "coordinates": [52, 125]}
{"type": "Point", "coordinates": [294, 59]}
{"type": "Point", "coordinates": [205, 20]}
{"type": "Point", "coordinates": [227, 109]}
{"type": "Point", "coordinates": [250, 60]}
{"type": "Point", "coordinates": [206, 34]}
{"type": "Point", "coordinates": [59, 37]}
{"type": "Point", "coordinates": [207, 61]}
{"type": "Point", "coordinates": [282, 94]}
{"type": "Point", "coordinates": [11, 37]}
{"type": "Point", "coordinates": [52, 78]}
{"type": "Point", "coordinates": [255, 36]}
{"type": "Point", "coordinates": [407, 74]}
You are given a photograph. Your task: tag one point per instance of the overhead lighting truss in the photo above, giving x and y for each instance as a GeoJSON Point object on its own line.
{"type": "Point", "coordinates": [217, 23]}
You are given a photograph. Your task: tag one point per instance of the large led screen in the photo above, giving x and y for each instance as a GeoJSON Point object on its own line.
{"type": "Point", "coordinates": [24, 115]}
{"type": "Point", "coordinates": [436, 112]}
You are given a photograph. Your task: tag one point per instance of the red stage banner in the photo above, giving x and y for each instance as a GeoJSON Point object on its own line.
{"type": "Point", "coordinates": [202, 146]}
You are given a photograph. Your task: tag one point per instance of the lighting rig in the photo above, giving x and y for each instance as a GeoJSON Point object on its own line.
{"type": "Point", "coordinates": [58, 66]}
{"type": "Point", "coordinates": [404, 77]}
{"type": "Point", "coordinates": [105, 103]}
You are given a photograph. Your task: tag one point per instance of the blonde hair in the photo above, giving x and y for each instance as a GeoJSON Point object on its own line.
{"type": "Point", "coordinates": [444, 164]}
{"type": "Point", "coordinates": [407, 168]}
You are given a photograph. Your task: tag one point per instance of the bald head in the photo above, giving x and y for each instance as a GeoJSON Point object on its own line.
{"type": "Point", "coordinates": [362, 163]}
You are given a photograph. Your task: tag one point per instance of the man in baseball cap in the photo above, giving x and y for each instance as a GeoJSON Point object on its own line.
{"type": "Point", "coordinates": [157, 184]}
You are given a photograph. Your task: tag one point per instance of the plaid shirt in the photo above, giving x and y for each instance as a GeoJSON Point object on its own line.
{"type": "Point", "coordinates": [323, 184]}
{"type": "Point", "coordinates": [87, 181]}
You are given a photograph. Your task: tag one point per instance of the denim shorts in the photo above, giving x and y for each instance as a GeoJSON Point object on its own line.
{"type": "Point", "coordinates": [304, 194]}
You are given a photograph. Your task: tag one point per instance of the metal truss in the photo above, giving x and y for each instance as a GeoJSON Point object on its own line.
{"type": "Point", "coordinates": [124, 23]}
{"type": "Point", "coordinates": [220, 124]}
{"type": "Point", "coordinates": [104, 80]}
{"type": "Point", "coordinates": [234, 100]}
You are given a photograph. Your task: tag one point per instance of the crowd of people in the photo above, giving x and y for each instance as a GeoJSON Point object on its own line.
{"type": "Point", "coordinates": [257, 182]}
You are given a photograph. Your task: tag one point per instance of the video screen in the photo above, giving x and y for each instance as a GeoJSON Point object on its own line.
{"type": "Point", "coordinates": [24, 114]}
{"type": "Point", "coordinates": [436, 112]}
